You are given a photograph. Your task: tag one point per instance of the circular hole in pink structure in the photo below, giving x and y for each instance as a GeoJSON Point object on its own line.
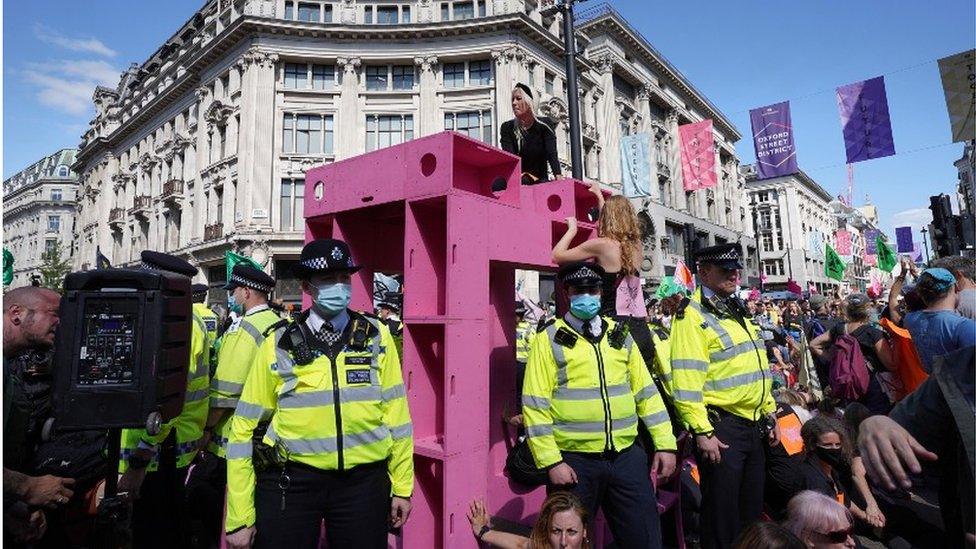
{"type": "Point", "coordinates": [319, 190]}
{"type": "Point", "coordinates": [554, 202]}
{"type": "Point", "coordinates": [428, 163]}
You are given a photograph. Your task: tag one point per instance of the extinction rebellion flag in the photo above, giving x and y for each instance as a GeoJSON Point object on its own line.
{"type": "Point", "coordinates": [958, 79]}
{"type": "Point", "coordinates": [865, 120]}
{"type": "Point", "coordinates": [886, 256]}
{"type": "Point", "coordinates": [834, 266]}
{"type": "Point", "coordinates": [772, 135]}
{"type": "Point", "coordinates": [697, 155]}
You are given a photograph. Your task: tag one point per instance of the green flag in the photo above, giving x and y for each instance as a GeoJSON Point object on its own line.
{"type": "Point", "coordinates": [669, 288]}
{"type": "Point", "coordinates": [233, 259]}
{"type": "Point", "coordinates": [834, 266]}
{"type": "Point", "coordinates": [8, 267]}
{"type": "Point", "coordinates": [886, 256]}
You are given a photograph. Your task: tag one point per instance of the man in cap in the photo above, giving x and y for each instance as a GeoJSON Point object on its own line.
{"type": "Point", "coordinates": [340, 439]}
{"type": "Point", "coordinates": [722, 391]}
{"type": "Point", "coordinates": [586, 387]}
{"type": "Point", "coordinates": [248, 291]}
{"type": "Point", "coordinates": [154, 467]}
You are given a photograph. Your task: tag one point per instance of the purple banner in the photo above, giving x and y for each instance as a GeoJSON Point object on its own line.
{"type": "Point", "coordinates": [904, 237]}
{"type": "Point", "coordinates": [864, 117]}
{"type": "Point", "coordinates": [772, 135]}
{"type": "Point", "coordinates": [871, 241]}
{"type": "Point", "coordinates": [917, 253]}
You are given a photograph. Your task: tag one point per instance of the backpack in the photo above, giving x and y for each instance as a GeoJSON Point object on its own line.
{"type": "Point", "coordinates": [849, 373]}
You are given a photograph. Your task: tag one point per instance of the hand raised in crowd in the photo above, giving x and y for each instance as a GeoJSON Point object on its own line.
{"type": "Point", "coordinates": [47, 491]}
{"type": "Point", "coordinates": [241, 539]}
{"type": "Point", "coordinates": [887, 449]}
{"type": "Point", "coordinates": [399, 511]}
{"type": "Point", "coordinates": [478, 516]}
{"type": "Point", "coordinates": [663, 465]}
{"type": "Point", "coordinates": [562, 475]}
{"type": "Point", "coordinates": [710, 447]}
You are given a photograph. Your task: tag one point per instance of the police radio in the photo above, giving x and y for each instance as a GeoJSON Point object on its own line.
{"type": "Point", "coordinates": [122, 349]}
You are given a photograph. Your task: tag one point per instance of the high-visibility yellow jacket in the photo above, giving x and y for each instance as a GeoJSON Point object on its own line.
{"type": "Point", "coordinates": [718, 360]}
{"type": "Point", "coordinates": [329, 414]}
{"type": "Point", "coordinates": [196, 405]}
{"type": "Point", "coordinates": [580, 396]}
{"type": "Point", "coordinates": [209, 318]}
{"type": "Point", "coordinates": [523, 338]}
{"type": "Point", "coordinates": [240, 345]}
{"type": "Point", "coordinates": [662, 358]}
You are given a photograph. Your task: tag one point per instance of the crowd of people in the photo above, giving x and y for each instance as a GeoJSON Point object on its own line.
{"type": "Point", "coordinates": [808, 422]}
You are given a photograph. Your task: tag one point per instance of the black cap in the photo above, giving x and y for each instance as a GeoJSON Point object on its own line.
{"type": "Point", "coordinates": [581, 274]}
{"type": "Point", "coordinates": [524, 88]}
{"type": "Point", "coordinates": [248, 277]}
{"type": "Point", "coordinates": [390, 300]}
{"type": "Point", "coordinates": [326, 255]}
{"type": "Point", "coordinates": [158, 261]}
{"type": "Point", "coordinates": [727, 256]}
{"type": "Point", "coordinates": [198, 289]}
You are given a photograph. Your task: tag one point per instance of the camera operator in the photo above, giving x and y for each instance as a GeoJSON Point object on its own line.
{"type": "Point", "coordinates": [30, 320]}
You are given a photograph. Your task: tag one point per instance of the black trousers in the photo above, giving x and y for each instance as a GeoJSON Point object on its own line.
{"type": "Point", "coordinates": [622, 487]}
{"type": "Point", "coordinates": [158, 516]}
{"type": "Point", "coordinates": [205, 493]}
{"type": "Point", "coordinates": [732, 490]}
{"type": "Point", "coordinates": [291, 504]}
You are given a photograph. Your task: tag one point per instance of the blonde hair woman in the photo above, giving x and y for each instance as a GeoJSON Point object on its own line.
{"type": "Point", "coordinates": [561, 524]}
{"type": "Point", "coordinates": [531, 138]}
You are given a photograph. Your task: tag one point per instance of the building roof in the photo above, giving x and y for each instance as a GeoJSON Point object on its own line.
{"type": "Point", "coordinates": [42, 169]}
{"type": "Point", "coordinates": [752, 179]}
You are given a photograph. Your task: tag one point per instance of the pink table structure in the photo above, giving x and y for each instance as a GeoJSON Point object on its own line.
{"type": "Point", "coordinates": [426, 208]}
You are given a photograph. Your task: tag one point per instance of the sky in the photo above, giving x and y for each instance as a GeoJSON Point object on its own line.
{"type": "Point", "coordinates": [741, 55]}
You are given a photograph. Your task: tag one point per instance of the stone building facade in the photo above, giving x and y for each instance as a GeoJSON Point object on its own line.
{"type": "Point", "coordinates": [203, 148]}
{"type": "Point", "coordinates": [39, 213]}
{"type": "Point", "coordinates": [858, 220]}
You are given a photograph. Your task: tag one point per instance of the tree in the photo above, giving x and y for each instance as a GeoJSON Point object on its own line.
{"type": "Point", "coordinates": [53, 267]}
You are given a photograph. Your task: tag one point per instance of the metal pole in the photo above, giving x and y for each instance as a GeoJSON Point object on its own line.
{"type": "Point", "coordinates": [572, 99]}
{"type": "Point", "coordinates": [925, 241]}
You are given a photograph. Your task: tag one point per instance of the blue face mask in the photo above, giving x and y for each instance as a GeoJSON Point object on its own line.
{"type": "Point", "coordinates": [233, 305]}
{"type": "Point", "coordinates": [584, 306]}
{"type": "Point", "coordinates": [333, 298]}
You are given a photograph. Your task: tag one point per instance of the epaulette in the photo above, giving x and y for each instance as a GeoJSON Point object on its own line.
{"type": "Point", "coordinates": [280, 324]}
{"type": "Point", "coordinates": [542, 327]}
{"type": "Point", "coordinates": [680, 312]}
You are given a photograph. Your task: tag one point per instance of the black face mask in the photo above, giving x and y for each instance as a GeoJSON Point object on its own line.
{"type": "Point", "coordinates": [831, 456]}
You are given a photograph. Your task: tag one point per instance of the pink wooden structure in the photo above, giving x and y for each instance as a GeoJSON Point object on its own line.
{"type": "Point", "coordinates": [426, 208]}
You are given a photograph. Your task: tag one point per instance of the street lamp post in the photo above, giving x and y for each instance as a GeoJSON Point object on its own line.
{"type": "Point", "coordinates": [572, 100]}
{"type": "Point", "coordinates": [925, 241]}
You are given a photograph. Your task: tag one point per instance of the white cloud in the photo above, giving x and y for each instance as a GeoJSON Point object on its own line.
{"type": "Point", "coordinates": [68, 85]}
{"type": "Point", "coordinates": [916, 218]}
{"type": "Point", "coordinates": [88, 45]}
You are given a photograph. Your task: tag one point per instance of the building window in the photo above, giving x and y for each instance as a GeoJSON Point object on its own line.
{"type": "Point", "coordinates": [56, 195]}
{"type": "Point", "coordinates": [765, 219]}
{"type": "Point", "coordinates": [767, 242]}
{"type": "Point", "coordinates": [292, 204]}
{"type": "Point", "coordinates": [50, 246]}
{"type": "Point", "coordinates": [307, 134]}
{"type": "Point", "coordinates": [453, 75]}
{"type": "Point", "coordinates": [476, 124]}
{"type": "Point", "coordinates": [296, 75]}
{"type": "Point", "coordinates": [405, 14]}
{"type": "Point", "coordinates": [63, 171]}
{"type": "Point", "coordinates": [403, 77]}
{"type": "Point", "coordinates": [309, 12]}
{"type": "Point", "coordinates": [376, 78]}
{"type": "Point", "coordinates": [463, 10]}
{"type": "Point", "coordinates": [323, 77]}
{"type": "Point", "coordinates": [387, 130]}
{"type": "Point", "coordinates": [479, 73]}
{"type": "Point", "coordinates": [54, 223]}
{"type": "Point", "coordinates": [289, 10]}
{"type": "Point", "coordinates": [386, 15]}
{"type": "Point", "coordinates": [550, 83]}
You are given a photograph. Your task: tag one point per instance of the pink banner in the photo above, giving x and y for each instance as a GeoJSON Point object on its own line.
{"type": "Point", "coordinates": [870, 260]}
{"type": "Point", "coordinates": [843, 239]}
{"type": "Point", "coordinates": [697, 155]}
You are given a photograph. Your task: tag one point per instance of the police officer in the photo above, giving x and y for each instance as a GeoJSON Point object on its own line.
{"type": "Point", "coordinates": [203, 311]}
{"type": "Point", "coordinates": [340, 442]}
{"type": "Point", "coordinates": [586, 387]}
{"type": "Point", "coordinates": [722, 391]}
{"type": "Point", "coordinates": [670, 295]}
{"type": "Point", "coordinates": [155, 466]}
{"type": "Point", "coordinates": [248, 290]}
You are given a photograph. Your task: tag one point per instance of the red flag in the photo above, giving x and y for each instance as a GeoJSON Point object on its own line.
{"type": "Point", "coordinates": [793, 287]}
{"type": "Point", "coordinates": [697, 155]}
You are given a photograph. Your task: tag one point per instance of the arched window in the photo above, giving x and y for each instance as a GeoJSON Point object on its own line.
{"type": "Point", "coordinates": [63, 171]}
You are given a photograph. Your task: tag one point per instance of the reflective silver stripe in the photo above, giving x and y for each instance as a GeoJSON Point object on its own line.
{"type": "Point", "coordinates": [201, 369]}
{"type": "Point", "coordinates": [590, 393]}
{"type": "Point", "coordinates": [540, 403]}
{"type": "Point", "coordinates": [374, 361]}
{"type": "Point", "coordinates": [557, 354]}
{"type": "Point", "coordinates": [248, 410]}
{"type": "Point", "coordinates": [352, 440]}
{"type": "Point", "coordinates": [402, 431]}
{"type": "Point", "coordinates": [647, 392]}
{"type": "Point", "coordinates": [239, 450]}
{"type": "Point", "coordinates": [539, 430]}
{"type": "Point", "coordinates": [309, 399]}
{"type": "Point", "coordinates": [310, 445]}
{"type": "Point", "coordinates": [226, 386]}
{"type": "Point", "coordinates": [365, 393]}
{"type": "Point", "coordinates": [736, 350]}
{"type": "Point", "coordinates": [689, 364]}
{"type": "Point", "coordinates": [595, 426]}
{"type": "Point", "coordinates": [656, 418]}
{"type": "Point", "coordinates": [688, 396]}
{"type": "Point", "coordinates": [736, 381]}
{"type": "Point", "coordinates": [201, 325]}
{"type": "Point", "coordinates": [713, 323]}
{"type": "Point", "coordinates": [195, 396]}
{"type": "Point", "coordinates": [250, 330]}
{"type": "Point", "coordinates": [221, 402]}
{"type": "Point", "coordinates": [285, 368]}
{"type": "Point", "coordinates": [395, 392]}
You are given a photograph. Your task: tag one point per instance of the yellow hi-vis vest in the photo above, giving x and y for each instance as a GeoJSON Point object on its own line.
{"type": "Point", "coordinates": [209, 319]}
{"type": "Point", "coordinates": [580, 396]}
{"type": "Point", "coordinates": [523, 338]}
{"type": "Point", "coordinates": [718, 361]}
{"type": "Point", "coordinates": [662, 358]}
{"type": "Point", "coordinates": [192, 419]}
{"type": "Point", "coordinates": [331, 415]}
{"type": "Point", "coordinates": [240, 345]}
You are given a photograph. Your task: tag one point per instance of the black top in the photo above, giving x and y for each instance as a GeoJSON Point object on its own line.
{"type": "Point", "coordinates": [537, 148]}
{"type": "Point", "coordinates": [836, 486]}
{"type": "Point", "coordinates": [608, 301]}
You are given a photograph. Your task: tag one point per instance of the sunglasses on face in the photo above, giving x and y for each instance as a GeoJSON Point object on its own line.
{"type": "Point", "coordinates": [838, 536]}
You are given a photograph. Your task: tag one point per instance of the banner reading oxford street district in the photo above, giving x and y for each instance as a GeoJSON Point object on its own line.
{"type": "Point", "coordinates": [697, 155]}
{"type": "Point", "coordinates": [772, 135]}
{"type": "Point", "coordinates": [958, 79]}
{"type": "Point", "coordinates": [635, 164]}
{"type": "Point", "coordinates": [864, 117]}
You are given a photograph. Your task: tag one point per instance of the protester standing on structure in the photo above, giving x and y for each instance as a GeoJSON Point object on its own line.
{"type": "Point", "coordinates": [722, 392]}
{"type": "Point", "coordinates": [531, 138]}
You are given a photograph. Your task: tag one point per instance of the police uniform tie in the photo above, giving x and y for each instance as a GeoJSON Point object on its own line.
{"type": "Point", "coordinates": [328, 334]}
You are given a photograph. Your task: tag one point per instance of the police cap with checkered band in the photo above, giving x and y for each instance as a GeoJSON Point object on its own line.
{"type": "Point", "coordinates": [244, 276]}
{"type": "Point", "coordinates": [726, 256]}
{"type": "Point", "coordinates": [581, 274]}
{"type": "Point", "coordinates": [323, 256]}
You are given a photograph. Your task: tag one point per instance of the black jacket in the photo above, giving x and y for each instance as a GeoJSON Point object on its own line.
{"type": "Point", "coordinates": [537, 149]}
